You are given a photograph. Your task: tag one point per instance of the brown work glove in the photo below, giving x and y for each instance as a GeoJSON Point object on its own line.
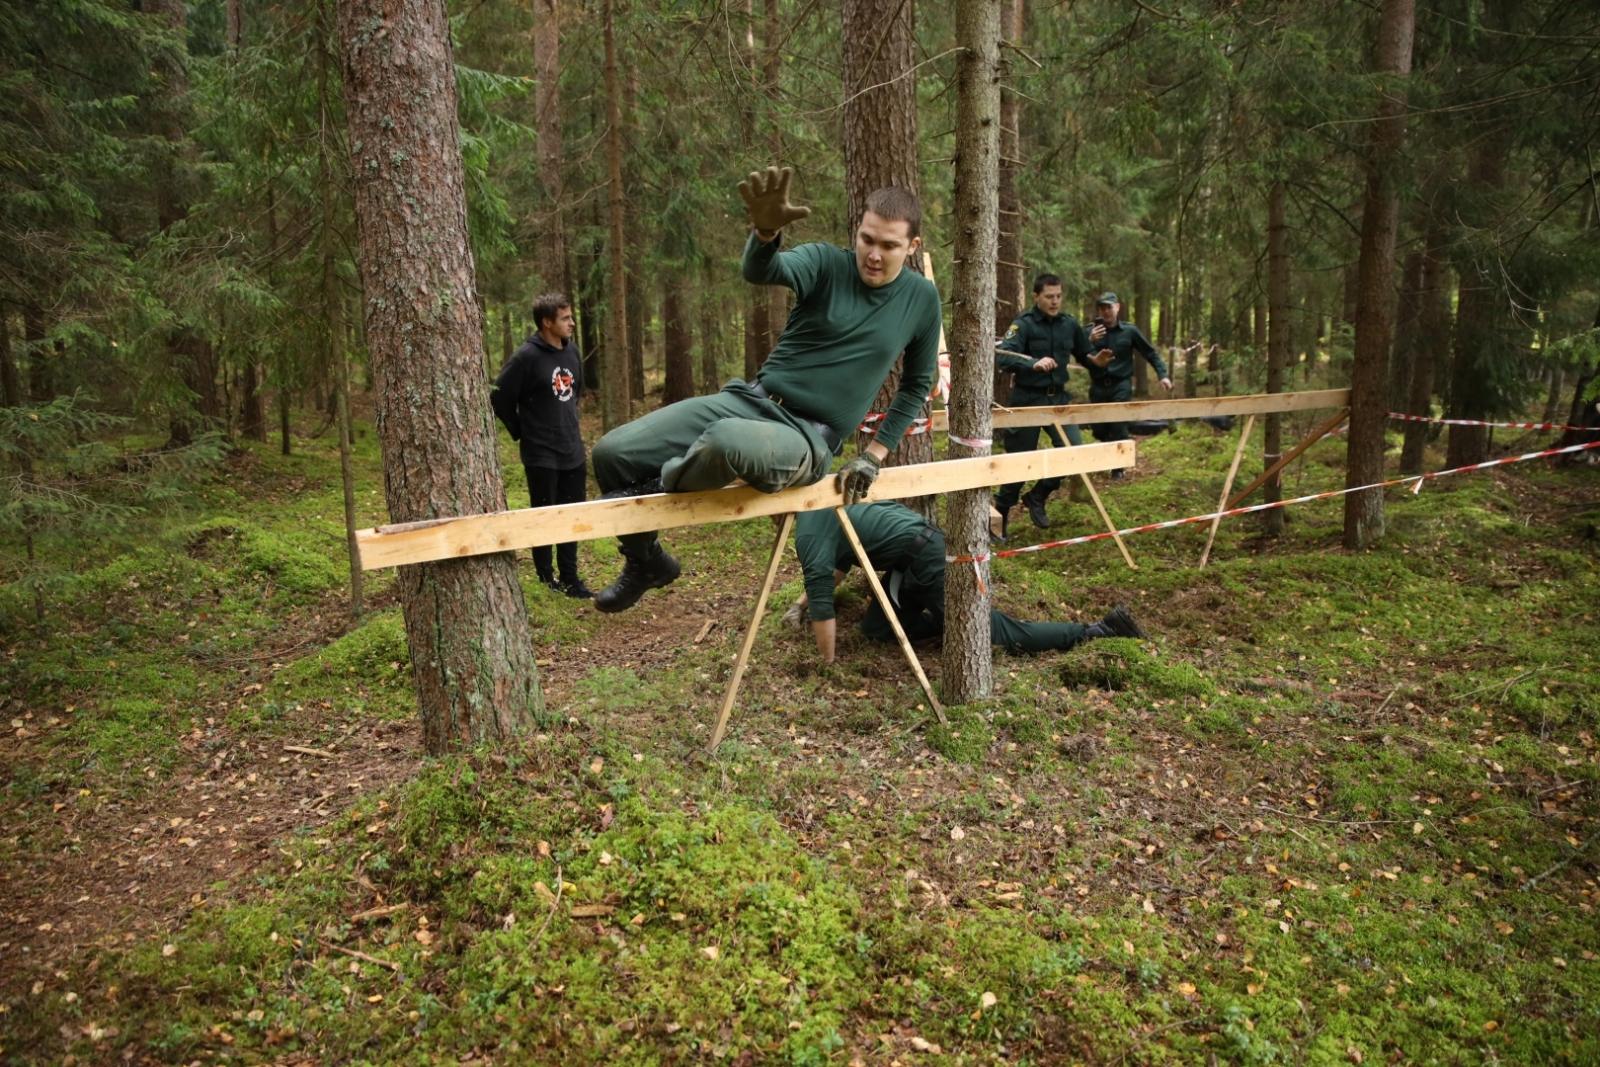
{"type": "Point", "coordinates": [766, 197]}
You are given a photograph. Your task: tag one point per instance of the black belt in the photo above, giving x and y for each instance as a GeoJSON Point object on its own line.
{"type": "Point", "coordinates": [824, 431]}
{"type": "Point", "coordinates": [911, 554]}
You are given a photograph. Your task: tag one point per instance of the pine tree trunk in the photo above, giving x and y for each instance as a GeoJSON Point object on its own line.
{"type": "Point", "coordinates": [710, 382]}
{"type": "Point", "coordinates": [552, 250]}
{"type": "Point", "coordinates": [11, 394]}
{"type": "Point", "coordinates": [252, 405]}
{"type": "Point", "coordinates": [1277, 347]}
{"type": "Point", "coordinates": [880, 149]}
{"type": "Point", "coordinates": [1432, 348]}
{"type": "Point", "coordinates": [615, 407]}
{"type": "Point", "coordinates": [1010, 282]}
{"type": "Point", "coordinates": [1407, 332]}
{"type": "Point", "coordinates": [1583, 411]}
{"type": "Point", "coordinates": [471, 645]}
{"type": "Point", "coordinates": [1481, 310]}
{"type": "Point", "coordinates": [333, 313]}
{"type": "Point", "coordinates": [1141, 319]}
{"type": "Point", "coordinates": [968, 663]}
{"type": "Point", "coordinates": [678, 342]}
{"type": "Point", "coordinates": [1380, 215]}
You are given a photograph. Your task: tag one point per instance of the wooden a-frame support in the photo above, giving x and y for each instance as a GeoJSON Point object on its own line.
{"type": "Point", "coordinates": [1227, 487]}
{"type": "Point", "coordinates": [1101, 508]}
{"type": "Point", "coordinates": [1290, 456]}
{"type": "Point", "coordinates": [742, 660]}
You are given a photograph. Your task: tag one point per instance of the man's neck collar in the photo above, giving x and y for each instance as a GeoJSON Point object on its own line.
{"type": "Point", "coordinates": [557, 343]}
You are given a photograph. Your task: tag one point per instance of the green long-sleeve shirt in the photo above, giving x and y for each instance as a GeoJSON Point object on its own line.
{"type": "Point", "coordinates": [1123, 339]}
{"type": "Point", "coordinates": [843, 337]}
{"type": "Point", "coordinates": [1033, 336]}
{"type": "Point", "coordinates": [887, 530]}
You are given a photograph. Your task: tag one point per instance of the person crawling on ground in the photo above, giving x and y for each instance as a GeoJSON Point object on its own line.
{"type": "Point", "coordinates": [910, 552]}
{"type": "Point", "coordinates": [855, 312]}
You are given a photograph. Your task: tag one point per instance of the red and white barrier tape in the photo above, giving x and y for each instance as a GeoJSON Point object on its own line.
{"type": "Point", "coordinates": [869, 425]}
{"type": "Point", "coordinates": [1417, 478]}
{"type": "Point", "coordinates": [1479, 422]}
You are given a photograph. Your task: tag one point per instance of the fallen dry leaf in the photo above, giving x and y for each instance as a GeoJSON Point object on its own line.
{"type": "Point", "coordinates": [957, 833]}
{"type": "Point", "coordinates": [591, 911]}
{"type": "Point", "coordinates": [1186, 988]}
{"type": "Point", "coordinates": [711, 952]}
{"type": "Point", "coordinates": [988, 1000]}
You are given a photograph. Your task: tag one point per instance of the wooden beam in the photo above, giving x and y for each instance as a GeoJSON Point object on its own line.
{"type": "Point", "coordinates": [1227, 487]}
{"type": "Point", "coordinates": [1289, 457]}
{"type": "Point", "coordinates": [890, 613]}
{"type": "Point", "coordinates": [1135, 410]}
{"type": "Point", "coordinates": [507, 531]}
{"type": "Point", "coordinates": [743, 659]}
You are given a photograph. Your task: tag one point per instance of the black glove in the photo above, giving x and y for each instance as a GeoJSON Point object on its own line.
{"type": "Point", "coordinates": [856, 477]}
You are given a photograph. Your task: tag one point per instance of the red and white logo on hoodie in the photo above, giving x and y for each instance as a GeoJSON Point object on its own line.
{"type": "Point", "coordinates": [561, 383]}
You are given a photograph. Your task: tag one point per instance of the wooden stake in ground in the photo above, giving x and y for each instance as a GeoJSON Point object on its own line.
{"type": "Point", "coordinates": [889, 613]}
{"type": "Point", "coordinates": [1289, 457]}
{"type": "Point", "coordinates": [1227, 487]}
{"type": "Point", "coordinates": [1101, 508]}
{"type": "Point", "coordinates": [784, 526]}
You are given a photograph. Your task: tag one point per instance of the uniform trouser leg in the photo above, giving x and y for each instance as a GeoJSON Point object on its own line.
{"type": "Point", "coordinates": [547, 486]}
{"type": "Point", "coordinates": [1021, 638]}
{"type": "Point", "coordinates": [706, 442]}
{"type": "Point", "coordinates": [1026, 439]}
{"type": "Point", "coordinates": [1113, 394]}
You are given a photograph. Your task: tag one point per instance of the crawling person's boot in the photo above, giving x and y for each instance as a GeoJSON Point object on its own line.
{"type": "Point", "coordinates": [642, 570]}
{"type": "Point", "coordinates": [1117, 623]}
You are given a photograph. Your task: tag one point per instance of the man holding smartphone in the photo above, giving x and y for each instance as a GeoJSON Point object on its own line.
{"type": "Point", "coordinates": [1111, 367]}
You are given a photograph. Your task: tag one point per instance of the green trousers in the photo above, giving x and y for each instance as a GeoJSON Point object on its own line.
{"type": "Point", "coordinates": [921, 610]}
{"type": "Point", "coordinates": [1114, 391]}
{"type": "Point", "coordinates": [705, 442]}
{"type": "Point", "coordinates": [1026, 439]}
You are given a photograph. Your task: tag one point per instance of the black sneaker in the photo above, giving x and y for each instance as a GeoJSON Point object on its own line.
{"type": "Point", "coordinates": [1036, 511]}
{"type": "Point", "coordinates": [637, 577]}
{"type": "Point", "coordinates": [551, 583]}
{"type": "Point", "coordinates": [644, 488]}
{"type": "Point", "coordinates": [1116, 475]}
{"type": "Point", "coordinates": [1118, 623]}
{"type": "Point", "coordinates": [575, 589]}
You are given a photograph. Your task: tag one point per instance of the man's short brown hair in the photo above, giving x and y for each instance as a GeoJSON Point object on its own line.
{"type": "Point", "coordinates": [547, 307]}
{"type": "Point", "coordinates": [896, 205]}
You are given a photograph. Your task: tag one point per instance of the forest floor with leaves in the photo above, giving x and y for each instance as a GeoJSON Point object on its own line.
{"type": "Point", "coordinates": [1339, 809]}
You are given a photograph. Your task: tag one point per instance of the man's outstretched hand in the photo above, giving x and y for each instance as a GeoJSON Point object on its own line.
{"type": "Point", "coordinates": [766, 196]}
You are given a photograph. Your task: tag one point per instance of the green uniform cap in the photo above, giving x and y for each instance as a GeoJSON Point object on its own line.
{"type": "Point", "coordinates": [1107, 297]}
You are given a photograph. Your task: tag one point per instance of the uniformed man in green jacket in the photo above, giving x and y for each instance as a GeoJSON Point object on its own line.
{"type": "Point", "coordinates": [1111, 367]}
{"type": "Point", "coordinates": [855, 312]}
{"type": "Point", "coordinates": [910, 551]}
{"type": "Point", "coordinates": [1038, 350]}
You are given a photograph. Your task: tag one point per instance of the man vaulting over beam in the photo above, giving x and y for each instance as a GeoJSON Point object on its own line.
{"type": "Point", "coordinates": [854, 314]}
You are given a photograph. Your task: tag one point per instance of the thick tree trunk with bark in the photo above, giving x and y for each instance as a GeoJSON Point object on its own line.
{"type": "Point", "coordinates": [11, 394]}
{"type": "Point", "coordinates": [678, 342]}
{"type": "Point", "coordinates": [471, 645]}
{"type": "Point", "coordinates": [1583, 411]}
{"type": "Point", "coordinates": [1407, 331]}
{"type": "Point", "coordinates": [968, 664]}
{"type": "Point", "coordinates": [333, 314]}
{"type": "Point", "coordinates": [1277, 346]}
{"type": "Point", "coordinates": [1380, 215]}
{"type": "Point", "coordinates": [552, 253]}
{"type": "Point", "coordinates": [1432, 348]}
{"type": "Point", "coordinates": [880, 149]}
{"type": "Point", "coordinates": [615, 408]}
{"type": "Point", "coordinates": [1011, 284]}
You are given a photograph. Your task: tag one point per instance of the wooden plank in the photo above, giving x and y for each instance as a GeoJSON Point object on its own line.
{"type": "Point", "coordinates": [890, 613]}
{"type": "Point", "coordinates": [506, 531]}
{"type": "Point", "coordinates": [1135, 410]}
{"type": "Point", "coordinates": [1227, 487]}
{"type": "Point", "coordinates": [743, 659]}
{"type": "Point", "coordinates": [1289, 457]}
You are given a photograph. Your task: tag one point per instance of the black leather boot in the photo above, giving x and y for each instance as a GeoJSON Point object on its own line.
{"type": "Point", "coordinates": [1036, 510]}
{"type": "Point", "coordinates": [649, 569]}
{"type": "Point", "coordinates": [1117, 623]}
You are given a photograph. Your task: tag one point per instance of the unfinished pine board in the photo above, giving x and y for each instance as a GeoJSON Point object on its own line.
{"type": "Point", "coordinates": [1227, 487]}
{"type": "Point", "coordinates": [890, 612]}
{"type": "Point", "coordinates": [742, 660]}
{"type": "Point", "coordinates": [1135, 410]}
{"type": "Point", "coordinates": [507, 531]}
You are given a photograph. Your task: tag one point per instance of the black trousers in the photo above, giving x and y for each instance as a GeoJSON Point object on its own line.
{"type": "Point", "coordinates": [547, 486]}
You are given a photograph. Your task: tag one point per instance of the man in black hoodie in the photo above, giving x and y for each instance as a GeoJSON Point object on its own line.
{"type": "Point", "coordinates": [536, 397]}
